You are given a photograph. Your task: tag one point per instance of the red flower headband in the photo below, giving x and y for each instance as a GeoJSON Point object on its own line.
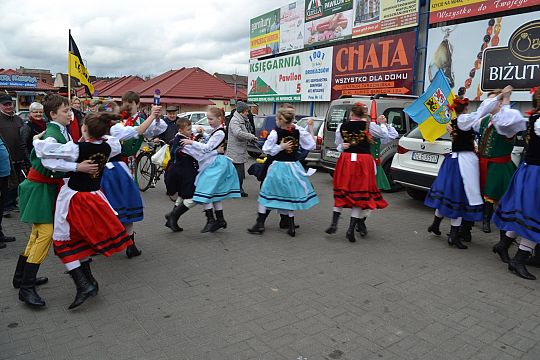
{"type": "Point", "coordinates": [458, 101]}
{"type": "Point", "coordinates": [533, 90]}
{"type": "Point", "coordinates": [361, 104]}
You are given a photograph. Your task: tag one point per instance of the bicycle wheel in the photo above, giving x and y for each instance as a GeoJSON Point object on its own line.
{"type": "Point", "coordinates": [144, 171]}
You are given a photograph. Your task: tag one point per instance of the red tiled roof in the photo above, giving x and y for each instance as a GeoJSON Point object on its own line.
{"type": "Point", "coordinates": [179, 101]}
{"type": "Point", "coordinates": [186, 83]}
{"type": "Point", "coordinates": [40, 85]}
{"type": "Point", "coordinates": [99, 85]}
{"type": "Point", "coordinates": [118, 87]}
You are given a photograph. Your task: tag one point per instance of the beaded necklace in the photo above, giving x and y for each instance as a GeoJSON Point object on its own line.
{"type": "Point", "coordinates": [491, 36]}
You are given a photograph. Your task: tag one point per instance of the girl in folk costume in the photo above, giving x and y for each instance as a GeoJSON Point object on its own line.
{"type": "Point", "coordinates": [85, 223]}
{"type": "Point", "coordinates": [217, 179]}
{"type": "Point", "coordinates": [455, 193]}
{"type": "Point", "coordinates": [117, 182]}
{"type": "Point", "coordinates": [355, 184]}
{"type": "Point", "coordinates": [518, 211]}
{"type": "Point", "coordinates": [286, 185]}
{"type": "Point", "coordinates": [37, 198]}
{"type": "Point", "coordinates": [181, 173]}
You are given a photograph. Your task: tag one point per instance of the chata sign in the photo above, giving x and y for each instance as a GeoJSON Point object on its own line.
{"type": "Point", "coordinates": [378, 66]}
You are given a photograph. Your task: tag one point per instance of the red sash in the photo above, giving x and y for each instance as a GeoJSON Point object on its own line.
{"type": "Point", "coordinates": [484, 162]}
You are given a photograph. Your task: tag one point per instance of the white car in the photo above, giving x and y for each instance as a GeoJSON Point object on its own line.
{"type": "Point", "coordinates": [416, 162]}
{"type": "Point", "coordinates": [193, 116]}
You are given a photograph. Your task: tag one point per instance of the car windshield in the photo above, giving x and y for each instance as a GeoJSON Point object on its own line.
{"type": "Point", "coordinates": [203, 121]}
{"type": "Point", "coordinates": [316, 124]}
{"type": "Point", "coordinates": [415, 134]}
{"type": "Point", "coordinates": [258, 120]}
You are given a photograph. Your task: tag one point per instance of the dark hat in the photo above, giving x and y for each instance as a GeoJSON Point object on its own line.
{"type": "Point", "coordinates": [171, 108]}
{"type": "Point", "coordinates": [5, 98]}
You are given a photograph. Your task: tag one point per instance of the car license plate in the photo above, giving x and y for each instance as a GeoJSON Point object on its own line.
{"type": "Point", "coordinates": [332, 153]}
{"type": "Point", "coordinates": [425, 157]}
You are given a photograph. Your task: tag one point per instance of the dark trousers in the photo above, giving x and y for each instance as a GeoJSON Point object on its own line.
{"type": "Point", "coordinates": [241, 171]}
{"type": "Point", "coordinates": [3, 195]}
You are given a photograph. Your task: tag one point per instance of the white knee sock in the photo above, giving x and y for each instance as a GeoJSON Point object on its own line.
{"type": "Point", "coordinates": [356, 212]}
{"type": "Point", "coordinates": [208, 206]}
{"type": "Point", "coordinates": [337, 209]}
{"type": "Point", "coordinates": [129, 228]}
{"type": "Point", "coordinates": [438, 213]}
{"type": "Point", "coordinates": [511, 234]}
{"type": "Point", "coordinates": [218, 205]}
{"type": "Point", "coordinates": [261, 209]}
{"type": "Point", "coordinates": [291, 213]}
{"type": "Point", "coordinates": [526, 245]}
{"type": "Point", "coordinates": [178, 201]}
{"type": "Point", "coordinates": [456, 222]}
{"type": "Point", "coordinates": [72, 265]}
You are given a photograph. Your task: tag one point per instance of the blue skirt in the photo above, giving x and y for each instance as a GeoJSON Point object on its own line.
{"type": "Point", "coordinates": [447, 194]}
{"type": "Point", "coordinates": [287, 187]}
{"type": "Point", "coordinates": [122, 193]}
{"type": "Point", "coordinates": [519, 208]}
{"type": "Point", "coordinates": [217, 182]}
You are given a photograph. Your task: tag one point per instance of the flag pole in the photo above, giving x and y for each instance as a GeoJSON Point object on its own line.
{"type": "Point", "coordinates": [69, 69]}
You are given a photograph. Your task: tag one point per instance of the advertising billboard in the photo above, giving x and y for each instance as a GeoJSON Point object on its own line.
{"type": "Point", "coordinates": [377, 66]}
{"type": "Point", "coordinates": [291, 28]}
{"type": "Point", "coordinates": [483, 55]}
{"type": "Point", "coordinates": [327, 21]}
{"type": "Point", "coordinates": [264, 34]}
{"type": "Point", "coordinates": [317, 74]}
{"type": "Point", "coordinates": [275, 80]}
{"type": "Point", "coordinates": [444, 10]}
{"type": "Point", "coordinates": [376, 16]}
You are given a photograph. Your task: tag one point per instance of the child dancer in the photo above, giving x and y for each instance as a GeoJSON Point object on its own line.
{"type": "Point", "coordinates": [85, 223]}
{"type": "Point", "coordinates": [37, 198]}
{"type": "Point", "coordinates": [117, 183]}
{"type": "Point", "coordinates": [355, 183]}
{"type": "Point", "coordinates": [181, 174]}
{"type": "Point", "coordinates": [518, 211]}
{"type": "Point", "coordinates": [286, 186]}
{"type": "Point", "coordinates": [217, 179]}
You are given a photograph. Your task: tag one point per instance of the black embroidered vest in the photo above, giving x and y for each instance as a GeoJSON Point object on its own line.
{"type": "Point", "coordinates": [288, 135]}
{"type": "Point", "coordinates": [461, 140]}
{"type": "Point", "coordinates": [356, 134]}
{"type": "Point", "coordinates": [99, 154]}
{"type": "Point", "coordinates": [533, 142]}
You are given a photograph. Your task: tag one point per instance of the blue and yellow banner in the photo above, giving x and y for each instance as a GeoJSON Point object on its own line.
{"type": "Point", "coordinates": [430, 111]}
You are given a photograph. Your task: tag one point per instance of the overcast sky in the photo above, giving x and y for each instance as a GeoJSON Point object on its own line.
{"type": "Point", "coordinates": [119, 37]}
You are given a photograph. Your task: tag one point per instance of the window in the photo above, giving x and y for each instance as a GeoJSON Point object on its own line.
{"type": "Point", "coordinates": [336, 115]}
{"type": "Point", "coordinates": [396, 117]}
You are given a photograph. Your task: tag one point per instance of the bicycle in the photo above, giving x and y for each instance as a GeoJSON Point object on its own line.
{"type": "Point", "coordinates": [147, 174]}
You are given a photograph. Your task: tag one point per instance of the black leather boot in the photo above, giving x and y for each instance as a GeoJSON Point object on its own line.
{"type": "Point", "coordinates": [434, 227]}
{"type": "Point", "coordinates": [361, 227]}
{"type": "Point", "coordinates": [258, 228]}
{"type": "Point", "coordinates": [284, 222]}
{"type": "Point", "coordinates": [488, 213]}
{"type": "Point", "coordinates": [333, 226]}
{"type": "Point", "coordinates": [85, 289]}
{"type": "Point", "coordinates": [4, 238]}
{"type": "Point", "coordinates": [465, 231]}
{"type": "Point", "coordinates": [535, 259]}
{"type": "Point", "coordinates": [85, 266]}
{"type": "Point", "coordinates": [292, 227]}
{"type": "Point", "coordinates": [454, 240]}
{"type": "Point", "coordinates": [501, 248]}
{"type": "Point", "coordinates": [517, 265]}
{"type": "Point", "coordinates": [131, 250]}
{"type": "Point", "coordinates": [19, 270]}
{"type": "Point", "coordinates": [210, 220]}
{"type": "Point", "coordinates": [219, 223]}
{"type": "Point", "coordinates": [350, 230]}
{"type": "Point", "coordinates": [174, 215]}
{"type": "Point", "coordinates": [27, 291]}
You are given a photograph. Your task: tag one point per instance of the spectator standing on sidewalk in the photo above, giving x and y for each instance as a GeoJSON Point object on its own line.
{"type": "Point", "coordinates": [10, 133]}
{"type": "Point", "coordinates": [239, 134]}
{"type": "Point", "coordinates": [5, 169]}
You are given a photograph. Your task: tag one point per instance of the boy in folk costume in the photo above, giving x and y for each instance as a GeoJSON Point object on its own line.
{"type": "Point", "coordinates": [518, 211]}
{"type": "Point", "coordinates": [286, 185]}
{"type": "Point", "coordinates": [117, 182]}
{"type": "Point", "coordinates": [85, 223]}
{"type": "Point", "coordinates": [217, 179]}
{"type": "Point", "coordinates": [355, 184]}
{"type": "Point", "coordinates": [37, 198]}
{"type": "Point", "coordinates": [181, 174]}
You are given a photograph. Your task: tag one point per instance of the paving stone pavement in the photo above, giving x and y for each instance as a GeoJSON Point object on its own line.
{"type": "Point", "coordinates": [400, 293]}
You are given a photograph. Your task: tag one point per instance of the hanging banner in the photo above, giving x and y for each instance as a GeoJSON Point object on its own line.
{"type": "Point", "coordinates": [16, 80]}
{"type": "Point", "coordinates": [275, 80]}
{"type": "Point", "coordinates": [291, 28]}
{"type": "Point", "coordinates": [327, 21]}
{"type": "Point", "coordinates": [317, 74]}
{"type": "Point", "coordinates": [479, 56]}
{"type": "Point", "coordinates": [444, 10]}
{"type": "Point", "coordinates": [378, 66]}
{"type": "Point", "coordinates": [264, 35]}
{"type": "Point", "coordinates": [376, 16]}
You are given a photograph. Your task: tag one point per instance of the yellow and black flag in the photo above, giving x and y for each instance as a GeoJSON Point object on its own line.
{"type": "Point", "coordinates": [76, 67]}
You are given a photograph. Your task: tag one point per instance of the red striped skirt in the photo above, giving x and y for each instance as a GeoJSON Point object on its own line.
{"type": "Point", "coordinates": [93, 228]}
{"type": "Point", "coordinates": [355, 184]}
